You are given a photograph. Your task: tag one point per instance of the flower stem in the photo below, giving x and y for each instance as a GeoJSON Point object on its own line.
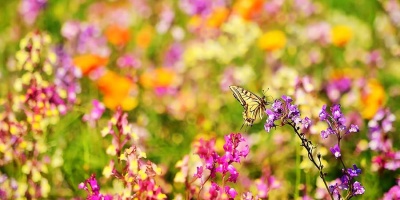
{"type": "Point", "coordinates": [309, 147]}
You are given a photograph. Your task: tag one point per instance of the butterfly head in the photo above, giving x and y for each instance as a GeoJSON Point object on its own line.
{"type": "Point", "coordinates": [264, 98]}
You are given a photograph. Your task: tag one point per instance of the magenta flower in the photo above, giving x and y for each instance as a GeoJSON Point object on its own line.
{"type": "Point", "coordinates": [230, 191]}
{"type": "Point", "coordinates": [393, 193]}
{"type": "Point", "coordinates": [235, 150]}
{"type": "Point", "coordinates": [128, 61]}
{"type": "Point", "coordinates": [95, 114]}
{"type": "Point", "coordinates": [94, 192]}
{"type": "Point", "coordinates": [173, 55]}
{"type": "Point", "coordinates": [214, 190]}
{"type": "Point", "coordinates": [337, 87]}
{"type": "Point", "coordinates": [30, 9]}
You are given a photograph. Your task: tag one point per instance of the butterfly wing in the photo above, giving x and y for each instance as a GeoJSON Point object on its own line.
{"type": "Point", "coordinates": [252, 104]}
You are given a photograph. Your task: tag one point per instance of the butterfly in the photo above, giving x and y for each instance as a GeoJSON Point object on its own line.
{"type": "Point", "coordinates": [253, 105]}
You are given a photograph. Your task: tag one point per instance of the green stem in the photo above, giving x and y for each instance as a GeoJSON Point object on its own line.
{"type": "Point", "coordinates": [298, 151]}
{"type": "Point", "coordinates": [306, 144]}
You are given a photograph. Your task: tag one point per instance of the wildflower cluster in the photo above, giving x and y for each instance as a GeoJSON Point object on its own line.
{"type": "Point", "coordinates": [235, 150]}
{"type": "Point", "coordinates": [40, 99]}
{"type": "Point", "coordinates": [288, 113]}
{"type": "Point", "coordinates": [129, 165]}
{"type": "Point", "coordinates": [379, 128]}
{"type": "Point", "coordinates": [337, 127]}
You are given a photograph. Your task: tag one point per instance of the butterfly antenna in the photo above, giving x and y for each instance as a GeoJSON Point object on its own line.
{"type": "Point", "coordinates": [242, 126]}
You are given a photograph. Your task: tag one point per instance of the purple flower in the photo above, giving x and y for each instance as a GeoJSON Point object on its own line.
{"type": "Point", "coordinates": [355, 171]}
{"type": "Point", "coordinates": [306, 122]}
{"type": "Point", "coordinates": [173, 55]}
{"type": "Point", "coordinates": [128, 61]}
{"type": "Point", "coordinates": [336, 122]}
{"type": "Point", "coordinates": [323, 115]}
{"type": "Point", "coordinates": [95, 114]}
{"type": "Point", "coordinates": [354, 128]}
{"type": "Point", "coordinates": [282, 109]}
{"type": "Point", "coordinates": [324, 134]}
{"type": "Point", "coordinates": [67, 75]}
{"type": "Point", "coordinates": [336, 151]}
{"type": "Point", "coordinates": [358, 188]}
{"type": "Point", "coordinates": [379, 127]}
{"type": "Point", "coordinates": [337, 87]}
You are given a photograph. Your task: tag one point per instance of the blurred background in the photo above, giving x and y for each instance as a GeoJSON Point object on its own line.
{"type": "Point", "coordinates": [169, 64]}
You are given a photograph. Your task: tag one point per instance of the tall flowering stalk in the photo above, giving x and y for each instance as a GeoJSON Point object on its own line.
{"type": "Point", "coordinates": [38, 101]}
{"type": "Point", "coordinates": [236, 149]}
{"type": "Point", "coordinates": [380, 127]}
{"type": "Point", "coordinates": [128, 165]}
{"type": "Point", "coordinates": [287, 113]}
{"type": "Point", "coordinates": [336, 126]}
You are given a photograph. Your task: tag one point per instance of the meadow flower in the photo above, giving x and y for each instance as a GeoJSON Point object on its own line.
{"type": "Point", "coordinates": [341, 35]}
{"type": "Point", "coordinates": [144, 37]}
{"type": "Point", "coordinates": [372, 98]}
{"type": "Point", "coordinates": [217, 17]}
{"type": "Point", "coordinates": [132, 169]}
{"type": "Point", "coordinates": [266, 183]}
{"type": "Point", "coordinates": [87, 63]}
{"type": "Point", "coordinates": [273, 7]}
{"type": "Point", "coordinates": [374, 59]}
{"type": "Point", "coordinates": [173, 55]}
{"type": "Point", "coordinates": [338, 86]}
{"type": "Point", "coordinates": [67, 76]}
{"type": "Point", "coordinates": [393, 193]}
{"type": "Point", "coordinates": [30, 9]}
{"type": "Point", "coordinates": [9, 186]}
{"type": "Point", "coordinates": [70, 29]}
{"type": "Point", "coordinates": [163, 80]}
{"type": "Point", "coordinates": [336, 122]}
{"type": "Point", "coordinates": [167, 16]}
{"type": "Point", "coordinates": [319, 32]}
{"type": "Point", "coordinates": [305, 6]}
{"type": "Point", "coordinates": [95, 114]}
{"type": "Point", "coordinates": [94, 191]}
{"type": "Point", "coordinates": [117, 35]}
{"type": "Point", "coordinates": [247, 9]}
{"type": "Point", "coordinates": [128, 61]}
{"type": "Point", "coordinates": [336, 151]}
{"type": "Point", "coordinates": [272, 40]}
{"type": "Point", "coordinates": [235, 150]}
{"type": "Point", "coordinates": [117, 91]}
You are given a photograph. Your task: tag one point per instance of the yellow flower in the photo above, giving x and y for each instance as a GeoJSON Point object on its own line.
{"type": "Point", "coordinates": [217, 17]}
{"type": "Point", "coordinates": [272, 40]}
{"type": "Point", "coordinates": [341, 35]}
{"type": "Point", "coordinates": [160, 77]}
{"type": "Point", "coordinates": [372, 99]}
{"type": "Point", "coordinates": [247, 8]}
{"type": "Point", "coordinates": [144, 37]}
